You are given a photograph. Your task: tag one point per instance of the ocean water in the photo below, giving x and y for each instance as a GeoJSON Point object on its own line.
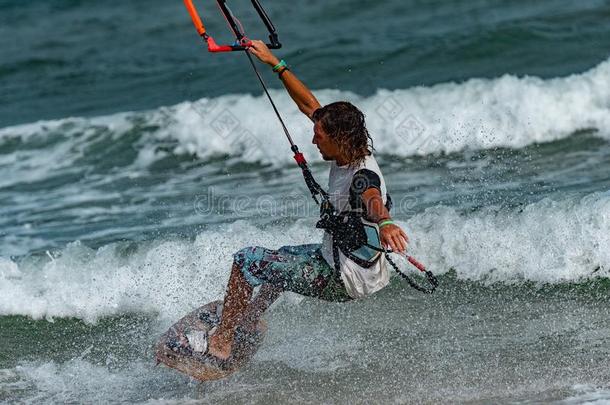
{"type": "Point", "coordinates": [134, 164]}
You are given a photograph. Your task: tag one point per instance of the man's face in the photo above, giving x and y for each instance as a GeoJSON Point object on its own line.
{"type": "Point", "coordinates": [327, 147]}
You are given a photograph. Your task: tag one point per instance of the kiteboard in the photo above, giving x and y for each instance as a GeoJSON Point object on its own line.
{"type": "Point", "coordinates": [184, 346]}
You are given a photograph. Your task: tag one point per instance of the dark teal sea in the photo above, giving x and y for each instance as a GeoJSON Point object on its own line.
{"type": "Point", "coordinates": [133, 164]}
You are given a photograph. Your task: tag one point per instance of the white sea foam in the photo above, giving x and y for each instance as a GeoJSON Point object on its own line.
{"type": "Point", "coordinates": [78, 381]}
{"type": "Point", "coordinates": [588, 395]}
{"type": "Point", "coordinates": [508, 112]}
{"type": "Point", "coordinates": [163, 277]}
{"type": "Point", "coordinates": [138, 382]}
{"type": "Point", "coordinates": [547, 242]}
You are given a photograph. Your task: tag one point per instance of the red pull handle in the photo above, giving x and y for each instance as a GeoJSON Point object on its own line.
{"type": "Point", "coordinates": [417, 264]}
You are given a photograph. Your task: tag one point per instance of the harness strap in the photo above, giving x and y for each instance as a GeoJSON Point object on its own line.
{"type": "Point", "coordinates": [336, 258]}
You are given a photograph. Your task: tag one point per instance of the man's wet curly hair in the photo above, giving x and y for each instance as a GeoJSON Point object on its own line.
{"type": "Point", "coordinates": [344, 123]}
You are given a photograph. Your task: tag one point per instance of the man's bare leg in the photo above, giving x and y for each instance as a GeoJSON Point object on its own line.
{"type": "Point", "coordinates": [263, 300]}
{"type": "Point", "coordinates": [236, 302]}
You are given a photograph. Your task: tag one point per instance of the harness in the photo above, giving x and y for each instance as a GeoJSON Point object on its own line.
{"type": "Point", "coordinates": [359, 241]}
{"type": "Point", "coordinates": [357, 238]}
{"type": "Point", "coordinates": [352, 235]}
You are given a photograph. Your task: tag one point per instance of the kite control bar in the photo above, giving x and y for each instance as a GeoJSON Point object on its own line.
{"type": "Point", "coordinates": [241, 40]}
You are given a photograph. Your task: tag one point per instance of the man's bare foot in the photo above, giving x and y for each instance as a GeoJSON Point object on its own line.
{"type": "Point", "coordinates": [218, 347]}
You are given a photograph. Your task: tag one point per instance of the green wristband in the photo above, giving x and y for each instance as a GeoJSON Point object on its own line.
{"type": "Point", "coordinates": [280, 65]}
{"type": "Point", "coordinates": [386, 222]}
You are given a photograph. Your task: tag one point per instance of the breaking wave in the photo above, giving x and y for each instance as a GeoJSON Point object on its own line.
{"type": "Point", "coordinates": [547, 242]}
{"type": "Point", "coordinates": [508, 111]}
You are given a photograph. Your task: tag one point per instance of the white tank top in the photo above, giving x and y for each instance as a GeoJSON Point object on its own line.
{"type": "Point", "coordinates": [359, 281]}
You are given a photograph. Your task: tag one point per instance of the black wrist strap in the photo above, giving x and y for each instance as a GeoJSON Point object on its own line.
{"type": "Point", "coordinates": [281, 72]}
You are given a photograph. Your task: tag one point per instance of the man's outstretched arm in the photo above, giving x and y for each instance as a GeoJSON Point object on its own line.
{"type": "Point", "coordinates": [301, 95]}
{"type": "Point", "coordinates": [392, 236]}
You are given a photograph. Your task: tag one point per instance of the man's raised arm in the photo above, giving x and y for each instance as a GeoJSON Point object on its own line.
{"type": "Point", "coordinates": [301, 95]}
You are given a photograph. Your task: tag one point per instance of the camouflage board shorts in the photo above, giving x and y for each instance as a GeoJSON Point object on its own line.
{"type": "Point", "coordinates": [300, 269]}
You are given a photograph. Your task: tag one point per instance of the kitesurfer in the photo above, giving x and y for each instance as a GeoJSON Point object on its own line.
{"type": "Point", "coordinates": [317, 270]}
